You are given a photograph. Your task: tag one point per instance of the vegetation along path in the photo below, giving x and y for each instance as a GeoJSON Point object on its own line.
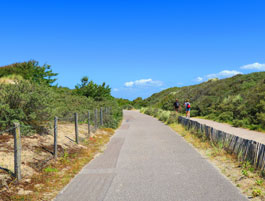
{"type": "Point", "coordinates": [146, 160]}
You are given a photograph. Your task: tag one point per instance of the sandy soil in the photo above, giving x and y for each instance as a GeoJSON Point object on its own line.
{"type": "Point", "coordinates": [37, 150]}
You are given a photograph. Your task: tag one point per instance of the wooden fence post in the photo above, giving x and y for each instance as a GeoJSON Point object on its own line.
{"type": "Point", "coordinates": [101, 116]}
{"type": "Point", "coordinates": [96, 119]}
{"type": "Point", "coordinates": [17, 151]}
{"type": "Point", "coordinates": [55, 137]}
{"type": "Point", "coordinates": [88, 123]}
{"type": "Point", "coordinates": [76, 129]}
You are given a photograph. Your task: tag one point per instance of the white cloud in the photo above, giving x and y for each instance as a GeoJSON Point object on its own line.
{"type": "Point", "coordinates": [228, 73]}
{"type": "Point", "coordinates": [115, 89]}
{"type": "Point", "coordinates": [199, 79]}
{"type": "Point", "coordinates": [143, 82]}
{"type": "Point", "coordinates": [256, 66]}
{"type": "Point", "coordinates": [129, 84]}
{"type": "Point", "coordinates": [221, 74]}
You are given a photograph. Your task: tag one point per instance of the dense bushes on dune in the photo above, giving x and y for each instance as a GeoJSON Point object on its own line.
{"type": "Point", "coordinates": [239, 100]}
{"type": "Point", "coordinates": [33, 101]}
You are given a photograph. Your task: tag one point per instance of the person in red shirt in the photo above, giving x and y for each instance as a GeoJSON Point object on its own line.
{"type": "Point", "coordinates": [187, 107]}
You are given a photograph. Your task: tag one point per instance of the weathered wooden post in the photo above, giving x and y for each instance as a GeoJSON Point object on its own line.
{"type": "Point", "coordinates": [88, 123]}
{"type": "Point", "coordinates": [101, 116]}
{"type": "Point", "coordinates": [55, 137]}
{"type": "Point", "coordinates": [96, 119]}
{"type": "Point", "coordinates": [17, 151]}
{"type": "Point", "coordinates": [76, 129]}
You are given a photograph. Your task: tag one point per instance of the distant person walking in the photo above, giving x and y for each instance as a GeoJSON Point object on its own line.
{"type": "Point", "coordinates": [177, 105]}
{"type": "Point", "coordinates": [187, 107]}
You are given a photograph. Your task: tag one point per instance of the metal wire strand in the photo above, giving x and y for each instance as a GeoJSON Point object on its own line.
{"type": "Point", "coordinates": [7, 130]}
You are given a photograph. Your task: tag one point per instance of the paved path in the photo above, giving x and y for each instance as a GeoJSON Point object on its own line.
{"type": "Point", "coordinates": [147, 161]}
{"type": "Point", "coordinates": [241, 132]}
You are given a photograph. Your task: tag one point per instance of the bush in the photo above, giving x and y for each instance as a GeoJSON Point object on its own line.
{"type": "Point", "coordinates": [143, 109]}
{"type": "Point", "coordinates": [238, 123]}
{"type": "Point", "coordinates": [30, 70]}
{"type": "Point", "coordinates": [93, 90]}
{"type": "Point", "coordinates": [226, 116]}
{"type": "Point", "coordinates": [30, 104]}
{"type": "Point", "coordinates": [164, 116]}
{"type": "Point", "coordinates": [67, 103]}
{"type": "Point", "coordinates": [156, 112]}
{"type": "Point", "coordinates": [149, 111]}
{"type": "Point", "coordinates": [29, 98]}
{"type": "Point", "coordinates": [194, 113]}
{"type": "Point", "coordinates": [113, 120]}
{"type": "Point", "coordinates": [237, 98]}
{"type": "Point", "coordinates": [173, 118]}
{"type": "Point", "coordinates": [127, 107]}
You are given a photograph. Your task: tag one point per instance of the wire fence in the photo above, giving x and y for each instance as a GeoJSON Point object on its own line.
{"type": "Point", "coordinates": [32, 153]}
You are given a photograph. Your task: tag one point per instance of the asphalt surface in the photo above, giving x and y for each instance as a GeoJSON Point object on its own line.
{"type": "Point", "coordinates": [147, 161]}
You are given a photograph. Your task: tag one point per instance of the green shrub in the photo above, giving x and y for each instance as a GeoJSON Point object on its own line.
{"type": "Point", "coordinates": [226, 116]}
{"type": "Point", "coordinates": [194, 113]}
{"type": "Point", "coordinates": [164, 116]}
{"type": "Point", "coordinates": [173, 118]}
{"type": "Point", "coordinates": [156, 112]}
{"type": "Point", "coordinates": [127, 107]}
{"type": "Point", "coordinates": [149, 111]}
{"type": "Point", "coordinates": [93, 90]}
{"type": "Point", "coordinates": [30, 104]}
{"type": "Point", "coordinates": [143, 109]}
{"type": "Point", "coordinates": [30, 70]}
{"type": "Point", "coordinates": [238, 123]}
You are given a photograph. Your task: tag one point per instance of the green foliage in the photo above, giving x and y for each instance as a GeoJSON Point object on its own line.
{"type": "Point", "coordinates": [30, 100]}
{"type": "Point", "coordinates": [149, 111]}
{"type": "Point", "coordinates": [28, 103]}
{"type": "Point", "coordinates": [259, 182]}
{"type": "Point", "coordinates": [239, 100]}
{"type": "Point", "coordinates": [226, 116]}
{"type": "Point", "coordinates": [245, 173]}
{"type": "Point", "coordinates": [113, 120]}
{"type": "Point", "coordinates": [93, 90]}
{"type": "Point", "coordinates": [138, 103]}
{"type": "Point", "coordinates": [256, 192]}
{"type": "Point", "coordinates": [30, 70]}
{"type": "Point", "coordinates": [167, 102]}
{"type": "Point", "coordinates": [173, 118]}
{"type": "Point", "coordinates": [164, 116]}
{"type": "Point", "coordinates": [67, 103]}
{"type": "Point", "coordinates": [125, 103]}
{"type": "Point", "coordinates": [50, 169]}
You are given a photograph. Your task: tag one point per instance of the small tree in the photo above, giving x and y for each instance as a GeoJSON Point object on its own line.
{"type": "Point", "coordinates": [90, 89]}
{"type": "Point", "coordinates": [30, 70]}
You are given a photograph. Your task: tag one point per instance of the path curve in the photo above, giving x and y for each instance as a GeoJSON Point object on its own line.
{"type": "Point", "coordinates": [147, 161]}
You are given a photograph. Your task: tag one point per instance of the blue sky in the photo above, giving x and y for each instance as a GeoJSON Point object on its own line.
{"type": "Point", "coordinates": [137, 47]}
